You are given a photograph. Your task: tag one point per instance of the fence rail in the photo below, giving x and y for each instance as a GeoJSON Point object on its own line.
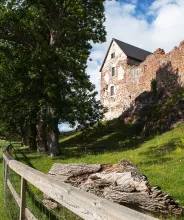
{"type": "Point", "coordinates": [83, 204]}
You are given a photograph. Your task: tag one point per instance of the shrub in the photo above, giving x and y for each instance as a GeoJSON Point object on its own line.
{"type": "Point", "coordinates": [154, 86]}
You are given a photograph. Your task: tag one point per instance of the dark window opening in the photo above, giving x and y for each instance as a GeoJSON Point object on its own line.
{"type": "Point", "coordinates": [112, 55]}
{"type": "Point", "coordinates": [112, 91]}
{"type": "Point", "coordinates": [113, 71]}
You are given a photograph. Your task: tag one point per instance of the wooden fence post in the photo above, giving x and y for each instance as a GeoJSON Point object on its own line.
{"type": "Point", "coordinates": [23, 199]}
{"type": "Point", "coordinates": [5, 179]}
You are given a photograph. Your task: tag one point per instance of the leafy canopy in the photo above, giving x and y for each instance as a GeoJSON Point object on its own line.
{"type": "Point", "coordinates": [44, 48]}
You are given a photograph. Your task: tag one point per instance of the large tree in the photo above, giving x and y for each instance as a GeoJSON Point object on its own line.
{"type": "Point", "coordinates": [47, 43]}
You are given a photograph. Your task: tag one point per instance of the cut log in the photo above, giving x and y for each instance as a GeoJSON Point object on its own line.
{"type": "Point", "coordinates": [121, 183]}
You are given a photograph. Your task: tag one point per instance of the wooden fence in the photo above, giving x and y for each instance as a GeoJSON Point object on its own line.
{"type": "Point", "coordinates": [83, 204]}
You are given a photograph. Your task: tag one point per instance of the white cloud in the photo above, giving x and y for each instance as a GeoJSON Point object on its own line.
{"type": "Point", "coordinates": [168, 27]}
{"type": "Point", "coordinates": [129, 8]}
{"type": "Point", "coordinates": [158, 4]}
{"type": "Point", "coordinates": [123, 22]}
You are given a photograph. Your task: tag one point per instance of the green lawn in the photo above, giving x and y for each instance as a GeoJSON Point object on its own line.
{"type": "Point", "coordinates": [160, 157]}
{"type": "Point", "coordinates": [3, 212]}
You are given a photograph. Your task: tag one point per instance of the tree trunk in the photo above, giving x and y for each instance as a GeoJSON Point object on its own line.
{"type": "Point", "coordinates": [53, 141]}
{"type": "Point", "coordinates": [52, 129]}
{"type": "Point", "coordinates": [24, 140]}
{"type": "Point", "coordinates": [52, 133]}
{"type": "Point", "coordinates": [41, 139]}
{"type": "Point", "coordinates": [32, 137]}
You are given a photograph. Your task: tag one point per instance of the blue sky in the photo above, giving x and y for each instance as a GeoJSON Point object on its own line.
{"type": "Point", "coordinates": [148, 24]}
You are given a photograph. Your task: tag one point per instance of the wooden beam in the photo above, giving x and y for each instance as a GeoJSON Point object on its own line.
{"type": "Point", "coordinates": [84, 204]}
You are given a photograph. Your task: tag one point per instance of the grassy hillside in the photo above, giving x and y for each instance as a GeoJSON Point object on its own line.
{"type": "Point", "coordinates": [159, 157]}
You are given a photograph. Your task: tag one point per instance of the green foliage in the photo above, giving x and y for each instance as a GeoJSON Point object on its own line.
{"type": "Point", "coordinates": [44, 48]}
{"type": "Point", "coordinates": [154, 86]}
{"type": "Point", "coordinates": [182, 141]}
{"type": "Point", "coordinates": [159, 115]}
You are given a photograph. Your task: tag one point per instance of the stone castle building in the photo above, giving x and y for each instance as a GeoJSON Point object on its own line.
{"type": "Point", "coordinates": [127, 72]}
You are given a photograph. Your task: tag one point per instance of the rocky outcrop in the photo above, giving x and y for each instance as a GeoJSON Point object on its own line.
{"type": "Point", "coordinates": [121, 183]}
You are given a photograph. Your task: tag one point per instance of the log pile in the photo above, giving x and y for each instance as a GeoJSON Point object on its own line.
{"type": "Point", "coordinates": [121, 183]}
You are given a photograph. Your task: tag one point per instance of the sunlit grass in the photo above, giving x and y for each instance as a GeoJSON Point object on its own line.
{"type": "Point", "coordinates": [160, 157]}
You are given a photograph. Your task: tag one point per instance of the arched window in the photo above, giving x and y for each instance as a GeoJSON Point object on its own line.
{"type": "Point", "coordinates": [113, 71]}
{"type": "Point", "coordinates": [112, 90]}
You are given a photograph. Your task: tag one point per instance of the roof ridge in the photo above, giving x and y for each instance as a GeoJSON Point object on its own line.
{"type": "Point", "coordinates": [131, 51]}
{"type": "Point", "coordinates": [130, 45]}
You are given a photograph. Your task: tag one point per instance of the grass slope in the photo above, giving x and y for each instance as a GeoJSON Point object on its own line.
{"type": "Point", "coordinates": [160, 157]}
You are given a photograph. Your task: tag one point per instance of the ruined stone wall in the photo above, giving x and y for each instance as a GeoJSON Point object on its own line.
{"type": "Point", "coordinates": [130, 81]}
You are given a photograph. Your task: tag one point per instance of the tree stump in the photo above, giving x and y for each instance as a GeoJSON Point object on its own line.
{"type": "Point", "coordinates": [121, 183]}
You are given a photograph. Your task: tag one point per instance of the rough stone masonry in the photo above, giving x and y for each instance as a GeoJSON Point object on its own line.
{"type": "Point", "coordinates": [131, 77]}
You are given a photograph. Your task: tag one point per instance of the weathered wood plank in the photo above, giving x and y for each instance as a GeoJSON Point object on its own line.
{"type": "Point", "coordinates": [85, 205]}
{"type": "Point", "coordinates": [23, 199]}
{"type": "Point", "coordinates": [7, 157]}
{"type": "Point", "coordinates": [28, 213]}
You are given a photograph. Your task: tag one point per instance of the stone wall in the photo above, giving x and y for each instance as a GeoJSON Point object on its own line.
{"type": "Point", "coordinates": [131, 80]}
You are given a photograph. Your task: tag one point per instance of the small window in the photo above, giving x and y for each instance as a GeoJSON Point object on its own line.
{"type": "Point", "coordinates": [113, 71]}
{"type": "Point", "coordinates": [112, 55]}
{"type": "Point", "coordinates": [112, 91]}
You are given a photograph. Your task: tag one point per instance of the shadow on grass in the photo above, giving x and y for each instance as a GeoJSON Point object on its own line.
{"type": "Point", "coordinates": [161, 160]}
{"type": "Point", "coordinates": [114, 136]}
{"type": "Point", "coordinates": [20, 155]}
{"type": "Point", "coordinates": [163, 150]}
{"type": "Point", "coordinates": [1, 159]}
